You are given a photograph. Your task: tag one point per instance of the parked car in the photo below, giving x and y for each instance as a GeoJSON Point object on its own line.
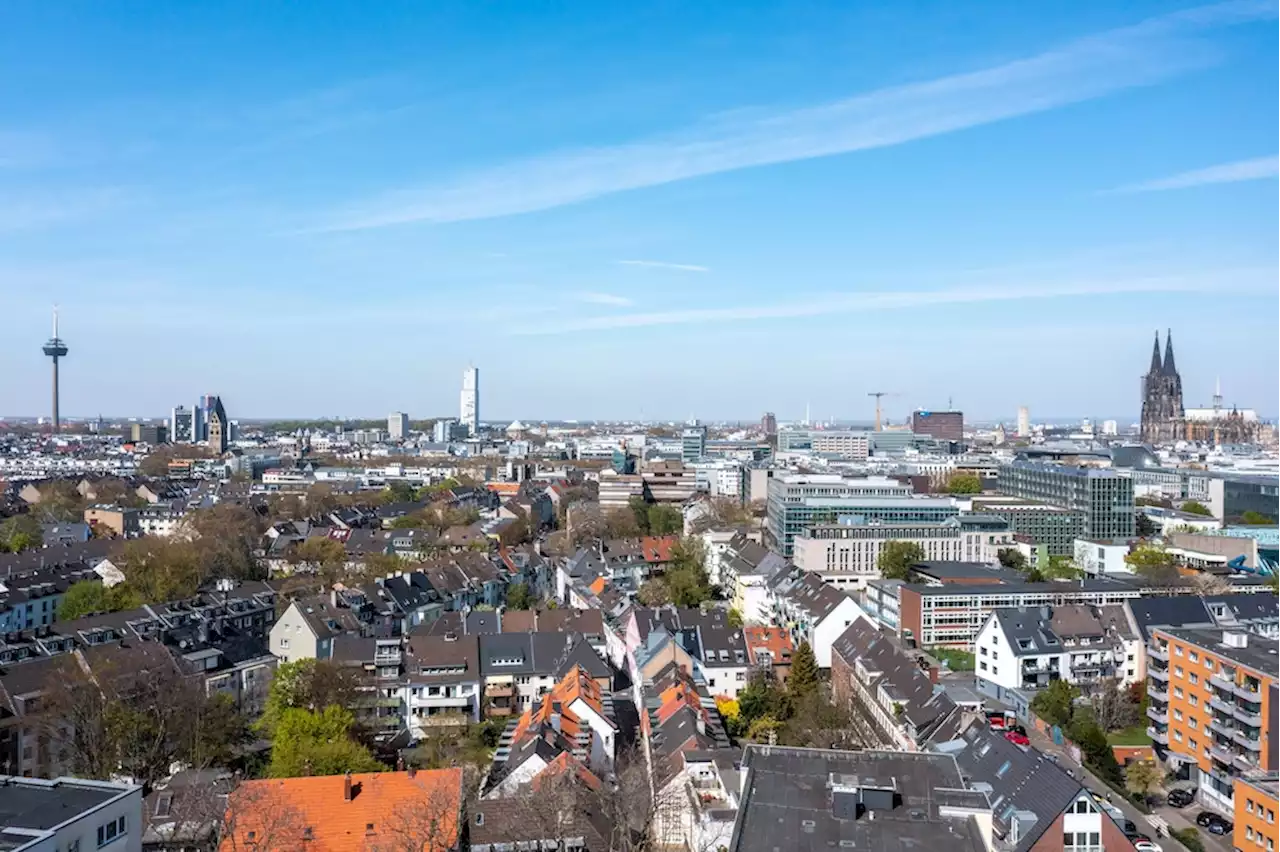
{"type": "Point", "coordinates": [1114, 812]}
{"type": "Point", "coordinates": [1128, 826]}
{"type": "Point", "coordinates": [1017, 738]}
{"type": "Point", "coordinates": [1213, 822]}
{"type": "Point", "coordinates": [1147, 846]}
{"type": "Point", "coordinates": [1137, 837]}
{"type": "Point", "coordinates": [1180, 798]}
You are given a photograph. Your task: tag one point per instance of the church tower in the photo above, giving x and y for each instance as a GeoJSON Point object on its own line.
{"type": "Point", "coordinates": [1162, 411]}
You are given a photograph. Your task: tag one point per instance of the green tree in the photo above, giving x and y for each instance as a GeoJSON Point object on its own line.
{"type": "Point", "coordinates": [1153, 563]}
{"type": "Point", "coordinates": [640, 513]}
{"type": "Point", "coordinates": [1151, 500]}
{"type": "Point", "coordinates": [398, 492]}
{"type": "Point", "coordinates": [90, 596]}
{"type": "Point", "coordinates": [803, 678]}
{"type": "Point", "coordinates": [1094, 748]}
{"type": "Point", "coordinates": [761, 727]}
{"type": "Point", "coordinates": [1141, 775]}
{"type": "Point", "coordinates": [1255, 519]}
{"type": "Point", "coordinates": [1012, 558]}
{"type": "Point", "coordinates": [325, 556]}
{"type": "Point", "coordinates": [664, 519]}
{"type": "Point", "coordinates": [1144, 526]}
{"type": "Point", "coordinates": [964, 483]}
{"type": "Point", "coordinates": [519, 596]}
{"type": "Point", "coordinates": [1194, 507]}
{"type": "Point", "coordinates": [19, 533]}
{"type": "Point", "coordinates": [762, 697]}
{"type": "Point", "coordinates": [308, 684]}
{"type": "Point", "coordinates": [1055, 702]}
{"type": "Point", "coordinates": [897, 557]}
{"type": "Point", "coordinates": [1061, 568]}
{"type": "Point", "coordinates": [686, 573]}
{"type": "Point", "coordinates": [734, 618]}
{"type": "Point", "coordinates": [308, 742]}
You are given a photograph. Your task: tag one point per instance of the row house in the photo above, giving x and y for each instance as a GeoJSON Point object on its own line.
{"type": "Point", "coordinates": [812, 611]}
{"type": "Point", "coordinates": [893, 703]}
{"type": "Point", "coordinates": [712, 647]}
{"type": "Point", "coordinates": [30, 599]}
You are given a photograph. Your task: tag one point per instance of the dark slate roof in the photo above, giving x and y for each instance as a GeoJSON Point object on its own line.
{"type": "Point", "coordinates": [582, 654]}
{"type": "Point", "coordinates": [518, 820]}
{"type": "Point", "coordinates": [1175, 611]}
{"type": "Point", "coordinates": [1134, 456]}
{"type": "Point", "coordinates": [1023, 784]}
{"type": "Point", "coordinates": [41, 805]}
{"type": "Point", "coordinates": [1028, 630]}
{"type": "Point", "coordinates": [1246, 607]}
{"type": "Point", "coordinates": [927, 708]}
{"type": "Point", "coordinates": [522, 653]}
{"type": "Point", "coordinates": [788, 802]}
{"type": "Point", "coordinates": [1258, 652]}
{"type": "Point", "coordinates": [481, 622]}
{"type": "Point", "coordinates": [436, 659]}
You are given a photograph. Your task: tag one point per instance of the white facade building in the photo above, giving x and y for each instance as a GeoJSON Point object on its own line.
{"type": "Point", "coordinates": [71, 814]}
{"type": "Point", "coordinates": [469, 408]}
{"type": "Point", "coordinates": [1096, 558]}
{"type": "Point", "coordinates": [397, 425]}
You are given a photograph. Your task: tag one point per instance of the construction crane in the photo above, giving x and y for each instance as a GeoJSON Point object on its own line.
{"type": "Point", "coordinates": [878, 395]}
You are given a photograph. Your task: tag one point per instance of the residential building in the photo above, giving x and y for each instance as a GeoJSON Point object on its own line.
{"type": "Point", "coordinates": [1024, 422]}
{"type": "Point", "coordinates": [803, 798]}
{"type": "Point", "coordinates": [1104, 495]}
{"type": "Point", "coordinates": [1256, 807]}
{"type": "Point", "coordinates": [1037, 804]}
{"type": "Point", "coordinates": [849, 446]}
{"type": "Point", "coordinates": [812, 611]}
{"type": "Point", "coordinates": [443, 684]}
{"type": "Point", "coordinates": [1213, 705]}
{"type": "Point", "coordinates": [308, 626]}
{"type": "Point", "coordinates": [618, 489]}
{"type": "Point", "coordinates": [769, 649]}
{"type": "Point", "coordinates": [769, 424]}
{"type": "Point", "coordinates": [891, 701]}
{"type": "Point", "coordinates": [693, 443]}
{"type": "Point", "coordinates": [939, 425]}
{"type": "Point", "coordinates": [397, 426]}
{"type": "Point", "coordinates": [1026, 649]}
{"type": "Point", "coordinates": [1040, 524]}
{"type": "Point", "coordinates": [337, 813]}
{"type": "Point", "coordinates": [469, 404]}
{"type": "Point", "coordinates": [724, 478]}
{"type": "Point", "coordinates": [38, 815]}
{"type": "Point", "coordinates": [121, 521]}
{"type": "Point", "coordinates": [847, 552]}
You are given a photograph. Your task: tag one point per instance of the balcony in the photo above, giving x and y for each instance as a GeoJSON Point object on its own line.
{"type": "Point", "coordinates": [500, 690]}
{"type": "Point", "coordinates": [1161, 716]}
{"type": "Point", "coordinates": [1157, 736]}
{"type": "Point", "coordinates": [498, 711]}
{"type": "Point", "coordinates": [1220, 681]}
{"type": "Point", "coordinates": [1157, 653]}
{"type": "Point", "coordinates": [1158, 675]}
{"type": "Point", "coordinates": [1245, 762]}
{"type": "Point", "coordinates": [1249, 741]}
{"type": "Point", "coordinates": [1226, 708]}
{"type": "Point", "coordinates": [1222, 754]}
{"type": "Point", "coordinates": [1224, 727]}
{"type": "Point", "coordinates": [1249, 718]}
{"type": "Point", "coordinates": [1157, 693]}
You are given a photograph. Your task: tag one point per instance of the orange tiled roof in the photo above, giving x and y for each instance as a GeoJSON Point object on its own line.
{"type": "Point", "coordinates": [574, 685]}
{"type": "Point", "coordinates": [599, 585]}
{"type": "Point", "coordinates": [508, 489]}
{"type": "Point", "coordinates": [563, 764]}
{"type": "Point", "coordinates": [315, 813]}
{"type": "Point", "coordinates": [775, 640]}
{"type": "Point", "coordinates": [657, 548]}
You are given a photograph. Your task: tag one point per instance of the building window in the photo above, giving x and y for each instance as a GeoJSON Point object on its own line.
{"type": "Point", "coordinates": [1177, 735]}
{"type": "Point", "coordinates": [1192, 723]}
{"type": "Point", "coordinates": [1177, 650]}
{"type": "Point", "coordinates": [1192, 743]}
{"type": "Point", "coordinates": [1177, 671]}
{"type": "Point", "coordinates": [1177, 714]}
{"type": "Point", "coordinates": [1194, 678]}
{"type": "Point", "coordinates": [1193, 657]}
{"type": "Point", "coordinates": [110, 831]}
{"type": "Point", "coordinates": [1177, 692]}
{"type": "Point", "coordinates": [1193, 700]}
{"type": "Point", "coordinates": [982, 664]}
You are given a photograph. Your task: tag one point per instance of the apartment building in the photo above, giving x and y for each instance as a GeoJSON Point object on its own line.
{"type": "Point", "coordinates": [1051, 527]}
{"type": "Point", "coordinates": [38, 815]}
{"type": "Point", "coordinates": [853, 446]}
{"type": "Point", "coordinates": [120, 521]}
{"type": "Point", "coordinates": [847, 552]}
{"type": "Point", "coordinates": [1213, 705]}
{"type": "Point", "coordinates": [1256, 807]}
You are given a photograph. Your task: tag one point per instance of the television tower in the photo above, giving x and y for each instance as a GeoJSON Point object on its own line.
{"type": "Point", "coordinates": [55, 349]}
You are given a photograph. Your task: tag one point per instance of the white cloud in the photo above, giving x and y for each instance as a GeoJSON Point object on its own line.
{"type": "Point", "coordinates": [606, 299]}
{"type": "Point", "coordinates": [1259, 168]}
{"type": "Point", "coordinates": [658, 264]}
{"type": "Point", "coordinates": [57, 207]}
{"type": "Point", "coordinates": [1146, 53]}
{"type": "Point", "coordinates": [1241, 281]}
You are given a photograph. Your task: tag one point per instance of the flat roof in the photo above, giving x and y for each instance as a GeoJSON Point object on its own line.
{"type": "Point", "coordinates": [1258, 653]}
{"type": "Point", "coordinates": [1268, 784]}
{"type": "Point", "coordinates": [39, 805]}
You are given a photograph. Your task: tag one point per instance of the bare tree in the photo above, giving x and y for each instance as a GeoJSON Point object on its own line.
{"type": "Point", "coordinates": [428, 820]}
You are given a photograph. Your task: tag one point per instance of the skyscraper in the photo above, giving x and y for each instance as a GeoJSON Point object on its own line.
{"type": "Point", "coordinates": [769, 424]}
{"type": "Point", "coordinates": [1024, 422]}
{"type": "Point", "coordinates": [469, 410]}
{"type": "Point", "coordinates": [693, 443]}
{"type": "Point", "coordinates": [182, 423]}
{"type": "Point", "coordinates": [55, 349]}
{"type": "Point", "coordinates": [1162, 412]}
{"type": "Point", "coordinates": [398, 426]}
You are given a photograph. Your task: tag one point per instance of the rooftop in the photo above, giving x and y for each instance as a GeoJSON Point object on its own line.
{"type": "Point", "coordinates": [1255, 652]}
{"type": "Point", "coordinates": [36, 805]}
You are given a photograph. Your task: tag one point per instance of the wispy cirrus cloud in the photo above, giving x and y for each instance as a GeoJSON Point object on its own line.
{"type": "Point", "coordinates": [1243, 281]}
{"type": "Point", "coordinates": [1259, 168]}
{"type": "Point", "coordinates": [1146, 53]}
{"type": "Point", "coordinates": [608, 299]}
{"type": "Point", "coordinates": [58, 207]}
{"type": "Point", "coordinates": [658, 264]}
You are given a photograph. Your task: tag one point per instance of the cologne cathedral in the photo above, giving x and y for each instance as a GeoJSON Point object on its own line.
{"type": "Point", "coordinates": [1165, 421]}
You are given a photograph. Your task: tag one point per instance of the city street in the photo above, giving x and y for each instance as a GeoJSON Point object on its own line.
{"type": "Point", "coordinates": [1175, 818]}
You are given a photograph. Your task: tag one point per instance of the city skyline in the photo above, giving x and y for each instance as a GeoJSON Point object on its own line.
{"type": "Point", "coordinates": [994, 204]}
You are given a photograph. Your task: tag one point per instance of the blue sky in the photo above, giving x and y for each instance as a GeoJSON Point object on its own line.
{"type": "Point", "coordinates": [637, 210]}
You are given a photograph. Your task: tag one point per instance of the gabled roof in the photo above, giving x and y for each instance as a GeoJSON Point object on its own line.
{"type": "Point", "coordinates": [316, 813]}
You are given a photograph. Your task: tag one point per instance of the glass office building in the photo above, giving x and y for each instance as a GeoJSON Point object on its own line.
{"type": "Point", "coordinates": [1105, 496]}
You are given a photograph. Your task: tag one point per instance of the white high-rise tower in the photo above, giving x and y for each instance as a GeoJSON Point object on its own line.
{"type": "Point", "coordinates": [1024, 422]}
{"type": "Point", "coordinates": [469, 410]}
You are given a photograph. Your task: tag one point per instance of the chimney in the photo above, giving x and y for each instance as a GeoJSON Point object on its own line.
{"type": "Point", "coordinates": [346, 787]}
{"type": "Point", "coordinates": [412, 772]}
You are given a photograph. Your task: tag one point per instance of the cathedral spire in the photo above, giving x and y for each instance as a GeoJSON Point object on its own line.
{"type": "Point", "coordinates": [1169, 369]}
{"type": "Point", "coordinates": [1155, 357]}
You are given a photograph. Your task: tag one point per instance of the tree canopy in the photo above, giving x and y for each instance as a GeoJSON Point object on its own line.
{"type": "Point", "coordinates": [964, 483]}
{"type": "Point", "coordinates": [19, 533]}
{"type": "Point", "coordinates": [1195, 507]}
{"type": "Point", "coordinates": [1055, 702]}
{"type": "Point", "coordinates": [1154, 563]}
{"type": "Point", "coordinates": [308, 742]}
{"type": "Point", "coordinates": [803, 679]}
{"type": "Point", "coordinates": [1011, 557]}
{"type": "Point", "coordinates": [897, 557]}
